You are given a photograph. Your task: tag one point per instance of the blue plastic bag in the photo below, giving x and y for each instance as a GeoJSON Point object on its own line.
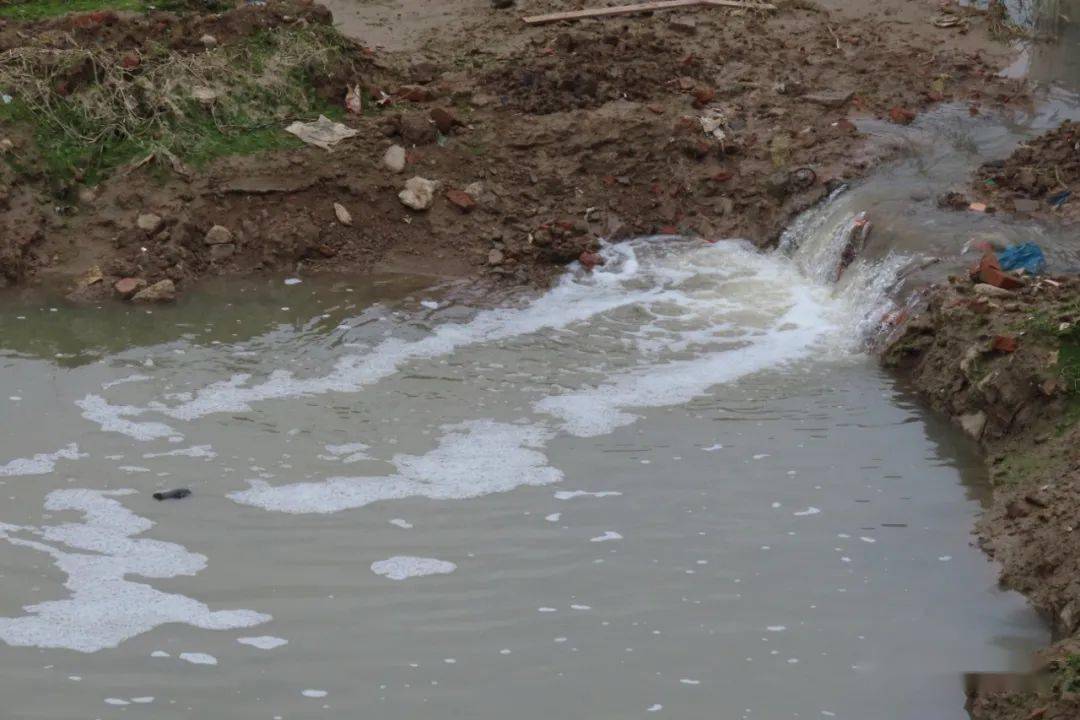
{"type": "Point", "coordinates": [1025, 256]}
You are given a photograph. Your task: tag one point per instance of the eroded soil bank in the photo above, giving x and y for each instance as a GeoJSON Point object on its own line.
{"type": "Point", "coordinates": [1005, 366]}
{"type": "Point", "coordinates": [129, 135]}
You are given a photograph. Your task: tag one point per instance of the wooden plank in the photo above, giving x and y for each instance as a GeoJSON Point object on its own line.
{"type": "Point", "coordinates": [642, 7]}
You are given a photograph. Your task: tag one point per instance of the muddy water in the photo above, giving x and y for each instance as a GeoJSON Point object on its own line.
{"type": "Point", "coordinates": [668, 487]}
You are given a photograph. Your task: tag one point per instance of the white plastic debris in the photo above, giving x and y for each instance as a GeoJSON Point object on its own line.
{"type": "Point", "coordinates": [324, 132]}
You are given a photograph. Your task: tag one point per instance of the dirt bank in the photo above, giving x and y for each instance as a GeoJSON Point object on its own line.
{"type": "Point", "coordinates": [1041, 179]}
{"type": "Point", "coordinates": [1006, 367]}
{"type": "Point", "coordinates": [541, 140]}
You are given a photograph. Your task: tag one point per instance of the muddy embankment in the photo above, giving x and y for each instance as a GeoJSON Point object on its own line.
{"type": "Point", "coordinates": [1000, 354]}
{"type": "Point", "coordinates": [147, 149]}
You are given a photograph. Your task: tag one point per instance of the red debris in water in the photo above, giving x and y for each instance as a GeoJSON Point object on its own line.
{"type": "Point", "coordinates": [589, 260]}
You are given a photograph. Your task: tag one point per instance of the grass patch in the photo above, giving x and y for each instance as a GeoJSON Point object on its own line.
{"type": "Point", "coordinates": [32, 10]}
{"type": "Point", "coordinates": [1070, 674]}
{"type": "Point", "coordinates": [1061, 328]}
{"type": "Point", "coordinates": [231, 100]}
{"type": "Point", "coordinates": [44, 9]}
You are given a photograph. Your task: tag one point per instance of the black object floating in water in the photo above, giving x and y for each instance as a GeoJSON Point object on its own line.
{"type": "Point", "coordinates": [178, 494]}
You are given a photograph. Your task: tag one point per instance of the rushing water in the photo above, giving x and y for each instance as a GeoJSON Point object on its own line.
{"type": "Point", "coordinates": [672, 486]}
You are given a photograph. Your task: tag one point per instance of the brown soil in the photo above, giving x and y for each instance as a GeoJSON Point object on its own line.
{"type": "Point", "coordinates": [574, 131]}
{"type": "Point", "coordinates": [1006, 370]}
{"type": "Point", "coordinates": [1035, 175]}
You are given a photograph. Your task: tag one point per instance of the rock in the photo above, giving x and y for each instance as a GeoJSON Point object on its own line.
{"type": "Point", "coordinates": [218, 235]}
{"type": "Point", "coordinates": [342, 215]}
{"type": "Point", "coordinates": [1004, 343]}
{"type": "Point", "coordinates": [208, 41]}
{"type": "Point", "coordinates": [126, 287]}
{"type": "Point", "coordinates": [1024, 205]}
{"type": "Point", "coordinates": [161, 291]}
{"type": "Point", "coordinates": [829, 99]}
{"type": "Point", "coordinates": [149, 223]}
{"type": "Point", "coordinates": [419, 193]}
{"type": "Point", "coordinates": [973, 424]}
{"type": "Point", "coordinates": [460, 199]}
{"type": "Point", "coordinates": [901, 116]}
{"type": "Point", "coordinates": [991, 291]}
{"type": "Point", "coordinates": [686, 26]}
{"type": "Point", "coordinates": [394, 158]}
{"type": "Point", "coordinates": [417, 130]}
{"type": "Point", "coordinates": [495, 257]}
{"type": "Point", "coordinates": [87, 195]}
{"type": "Point", "coordinates": [589, 260]}
{"type": "Point", "coordinates": [222, 251]}
{"type": "Point", "coordinates": [475, 189]}
{"type": "Point", "coordinates": [91, 277]}
{"type": "Point", "coordinates": [414, 93]}
{"type": "Point", "coordinates": [445, 120]}
{"type": "Point", "coordinates": [989, 272]}
{"type": "Point", "coordinates": [6, 146]}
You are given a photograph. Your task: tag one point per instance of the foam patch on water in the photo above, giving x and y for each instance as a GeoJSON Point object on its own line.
{"type": "Point", "coordinates": [472, 459]}
{"type": "Point", "coordinates": [113, 418]}
{"type": "Point", "coordinates": [105, 607]}
{"type": "Point", "coordinates": [205, 452]}
{"type": "Point", "coordinates": [755, 313]}
{"type": "Point", "coordinates": [40, 464]}
{"type": "Point", "coordinates": [198, 658]}
{"type": "Point", "coordinates": [348, 453]}
{"type": "Point", "coordinates": [576, 298]}
{"type": "Point", "coordinates": [403, 567]}
{"type": "Point", "coordinates": [263, 642]}
{"type": "Point", "coordinates": [571, 494]}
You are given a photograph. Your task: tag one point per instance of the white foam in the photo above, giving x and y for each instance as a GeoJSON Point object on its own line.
{"type": "Point", "coordinates": [571, 494]}
{"type": "Point", "coordinates": [403, 567]}
{"type": "Point", "coordinates": [314, 693]}
{"type": "Point", "coordinates": [472, 459]}
{"type": "Point", "coordinates": [688, 681]}
{"type": "Point", "coordinates": [42, 463]}
{"type": "Point", "coordinates": [347, 453]}
{"type": "Point", "coordinates": [143, 700]}
{"type": "Point", "coordinates": [577, 297]}
{"type": "Point", "coordinates": [105, 607]}
{"type": "Point", "coordinates": [657, 707]}
{"type": "Point", "coordinates": [293, 281]}
{"type": "Point", "coordinates": [553, 517]}
{"type": "Point", "coordinates": [607, 537]}
{"type": "Point", "coordinates": [124, 380]}
{"type": "Point", "coordinates": [113, 418]}
{"type": "Point", "coordinates": [808, 511]}
{"type": "Point", "coordinates": [263, 642]}
{"type": "Point", "coordinates": [198, 658]}
{"type": "Point", "coordinates": [791, 319]}
{"type": "Point", "coordinates": [776, 628]}
{"type": "Point", "coordinates": [403, 524]}
{"type": "Point", "coordinates": [196, 451]}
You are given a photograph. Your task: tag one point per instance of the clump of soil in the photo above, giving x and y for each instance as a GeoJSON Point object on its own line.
{"type": "Point", "coordinates": [1006, 367]}
{"type": "Point", "coordinates": [1042, 177]}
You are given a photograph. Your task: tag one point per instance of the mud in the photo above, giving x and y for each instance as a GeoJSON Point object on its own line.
{"type": "Point", "coordinates": [562, 135]}
{"type": "Point", "coordinates": [1004, 368]}
{"type": "Point", "coordinates": [1041, 179]}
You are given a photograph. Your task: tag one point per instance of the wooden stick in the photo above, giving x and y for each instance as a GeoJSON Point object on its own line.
{"type": "Point", "coordinates": [642, 7]}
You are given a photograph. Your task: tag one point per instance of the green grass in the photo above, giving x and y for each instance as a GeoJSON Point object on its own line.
{"type": "Point", "coordinates": [1070, 674]}
{"type": "Point", "coordinates": [269, 82]}
{"type": "Point", "coordinates": [44, 9]}
{"type": "Point", "coordinates": [31, 10]}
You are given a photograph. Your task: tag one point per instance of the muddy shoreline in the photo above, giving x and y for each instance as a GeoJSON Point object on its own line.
{"type": "Point", "coordinates": [539, 140]}
{"type": "Point", "coordinates": [1001, 366]}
